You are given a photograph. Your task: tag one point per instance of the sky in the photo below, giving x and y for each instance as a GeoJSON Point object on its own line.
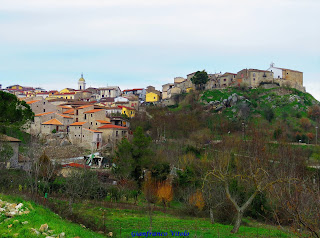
{"type": "Point", "coordinates": [132, 44]}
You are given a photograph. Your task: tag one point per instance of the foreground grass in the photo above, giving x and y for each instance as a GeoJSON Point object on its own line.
{"type": "Point", "coordinates": [38, 215]}
{"type": "Point", "coordinates": [124, 222]}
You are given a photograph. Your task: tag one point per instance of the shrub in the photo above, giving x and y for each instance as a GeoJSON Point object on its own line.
{"type": "Point", "coordinates": [269, 114]}
{"type": "Point", "coordinates": [54, 131]}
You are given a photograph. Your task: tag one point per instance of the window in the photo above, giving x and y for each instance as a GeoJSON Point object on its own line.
{"type": "Point", "coordinates": [225, 80]}
{"type": "Point", "coordinates": [254, 79]}
{"type": "Point", "coordinates": [154, 97]}
{"type": "Point", "coordinates": [85, 116]}
{"type": "Point", "coordinates": [77, 112]}
{"type": "Point", "coordinates": [117, 133]}
{"type": "Point", "coordinates": [91, 123]}
{"type": "Point", "coordinates": [96, 124]}
{"type": "Point", "coordinates": [44, 110]}
{"type": "Point", "coordinates": [254, 75]}
{"type": "Point", "coordinates": [91, 115]}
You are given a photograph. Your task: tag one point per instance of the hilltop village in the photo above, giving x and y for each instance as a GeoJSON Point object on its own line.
{"type": "Point", "coordinates": [94, 118]}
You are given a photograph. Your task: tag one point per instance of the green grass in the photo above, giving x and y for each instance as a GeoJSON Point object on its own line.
{"type": "Point", "coordinates": [122, 222]}
{"type": "Point", "coordinates": [39, 215]}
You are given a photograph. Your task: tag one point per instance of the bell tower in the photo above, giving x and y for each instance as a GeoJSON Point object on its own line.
{"type": "Point", "coordinates": [81, 83]}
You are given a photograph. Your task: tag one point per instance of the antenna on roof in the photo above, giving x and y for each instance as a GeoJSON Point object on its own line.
{"type": "Point", "coordinates": [82, 75]}
{"type": "Point", "coordinates": [272, 64]}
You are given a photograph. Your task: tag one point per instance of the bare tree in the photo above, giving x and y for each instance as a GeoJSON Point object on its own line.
{"type": "Point", "coordinates": [246, 163]}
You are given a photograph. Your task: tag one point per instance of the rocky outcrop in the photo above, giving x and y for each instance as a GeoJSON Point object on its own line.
{"type": "Point", "coordinates": [12, 209]}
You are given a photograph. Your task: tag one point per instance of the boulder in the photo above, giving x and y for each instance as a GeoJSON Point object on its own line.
{"type": "Point", "coordinates": [43, 227]}
{"type": "Point", "coordinates": [34, 231]}
{"type": "Point", "coordinates": [62, 235]}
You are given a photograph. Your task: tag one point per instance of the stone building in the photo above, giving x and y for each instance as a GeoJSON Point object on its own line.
{"type": "Point", "coordinates": [41, 105]}
{"type": "Point", "coordinates": [253, 77]}
{"type": "Point", "coordinates": [288, 77]}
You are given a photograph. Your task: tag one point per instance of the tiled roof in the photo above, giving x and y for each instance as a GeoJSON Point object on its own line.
{"type": "Point", "coordinates": [69, 111]}
{"type": "Point", "coordinates": [33, 101]}
{"type": "Point", "coordinates": [65, 107]}
{"type": "Point", "coordinates": [103, 122]}
{"type": "Point", "coordinates": [84, 106]}
{"type": "Point", "coordinates": [65, 93]}
{"type": "Point", "coordinates": [53, 122]}
{"type": "Point", "coordinates": [76, 165]}
{"type": "Point", "coordinates": [93, 111]}
{"type": "Point", "coordinates": [93, 130]}
{"type": "Point", "coordinates": [42, 114]}
{"type": "Point", "coordinates": [130, 108]}
{"type": "Point", "coordinates": [63, 115]}
{"type": "Point", "coordinates": [112, 127]}
{"type": "Point", "coordinates": [79, 123]}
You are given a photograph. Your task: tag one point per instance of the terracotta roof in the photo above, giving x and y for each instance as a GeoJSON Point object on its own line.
{"type": "Point", "coordinates": [93, 130]}
{"type": "Point", "coordinates": [103, 122]}
{"type": "Point", "coordinates": [112, 127]}
{"type": "Point", "coordinates": [79, 123]}
{"type": "Point", "coordinates": [8, 138]}
{"type": "Point", "coordinates": [42, 114]}
{"type": "Point", "coordinates": [84, 106]}
{"type": "Point", "coordinates": [135, 89]}
{"type": "Point", "coordinates": [63, 115]}
{"type": "Point", "coordinates": [130, 108]}
{"type": "Point", "coordinates": [30, 102]}
{"type": "Point", "coordinates": [65, 93]}
{"type": "Point", "coordinates": [93, 111]}
{"type": "Point", "coordinates": [76, 165]}
{"type": "Point", "coordinates": [68, 111]}
{"type": "Point", "coordinates": [53, 122]}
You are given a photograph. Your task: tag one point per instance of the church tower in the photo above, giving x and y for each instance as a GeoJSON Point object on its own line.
{"type": "Point", "coordinates": [82, 83]}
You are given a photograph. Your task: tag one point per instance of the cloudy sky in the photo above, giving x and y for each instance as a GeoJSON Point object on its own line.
{"type": "Point", "coordinates": [136, 43]}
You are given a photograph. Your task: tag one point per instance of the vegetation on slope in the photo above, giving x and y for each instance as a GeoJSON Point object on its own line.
{"type": "Point", "coordinates": [14, 227]}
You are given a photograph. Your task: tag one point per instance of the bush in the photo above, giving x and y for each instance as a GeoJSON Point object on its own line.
{"type": "Point", "coordinates": [269, 114]}
{"type": "Point", "coordinates": [54, 131]}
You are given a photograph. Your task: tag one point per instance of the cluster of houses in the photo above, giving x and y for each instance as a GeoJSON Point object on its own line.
{"type": "Point", "coordinates": [96, 117]}
{"type": "Point", "coordinates": [253, 78]}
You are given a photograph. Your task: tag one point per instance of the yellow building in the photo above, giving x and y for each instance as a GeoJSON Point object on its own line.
{"type": "Point", "coordinates": [66, 90]}
{"type": "Point", "coordinates": [152, 97]}
{"type": "Point", "coordinates": [128, 111]}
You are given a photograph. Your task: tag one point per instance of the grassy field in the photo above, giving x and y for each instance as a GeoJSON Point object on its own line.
{"type": "Point", "coordinates": [123, 222]}
{"type": "Point", "coordinates": [126, 222]}
{"type": "Point", "coordinates": [39, 215]}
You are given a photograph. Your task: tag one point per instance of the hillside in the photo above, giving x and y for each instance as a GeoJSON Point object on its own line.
{"type": "Point", "coordinates": [33, 219]}
{"type": "Point", "coordinates": [284, 108]}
